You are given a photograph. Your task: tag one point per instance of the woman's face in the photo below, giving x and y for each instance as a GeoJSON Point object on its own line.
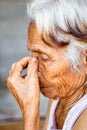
{"type": "Point", "coordinates": [55, 76]}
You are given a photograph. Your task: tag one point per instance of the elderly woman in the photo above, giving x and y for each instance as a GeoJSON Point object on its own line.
{"type": "Point", "coordinates": [57, 38]}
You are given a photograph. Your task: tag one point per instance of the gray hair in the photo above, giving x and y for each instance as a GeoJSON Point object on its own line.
{"type": "Point", "coordinates": [62, 20]}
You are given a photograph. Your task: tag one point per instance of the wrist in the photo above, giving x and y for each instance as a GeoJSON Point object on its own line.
{"type": "Point", "coordinates": [31, 116]}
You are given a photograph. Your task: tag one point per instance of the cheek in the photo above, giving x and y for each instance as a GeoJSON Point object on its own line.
{"type": "Point", "coordinates": [54, 70]}
{"type": "Point", "coordinates": [74, 80]}
{"type": "Point", "coordinates": [46, 71]}
{"type": "Point", "coordinates": [52, 84]}
{"type": "Point", "coordinates": [49, 74]}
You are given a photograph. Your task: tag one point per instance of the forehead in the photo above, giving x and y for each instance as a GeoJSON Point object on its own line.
{"type": "Point", "coordinates": [35, 41]}
{"type": "Point", "coordinates": [51, 40]}
{"type": "Point", "coordinates": [33, 34]}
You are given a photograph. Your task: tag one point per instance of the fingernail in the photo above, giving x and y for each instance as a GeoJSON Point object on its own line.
{"type": "Point", "coordinates": [34, 59]}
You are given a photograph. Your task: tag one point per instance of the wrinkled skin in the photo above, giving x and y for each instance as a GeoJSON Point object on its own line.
{"type": "Point", "coordinates": [26, 90]}
{"type": "Point", "coordinates": [49, 73]}
{"type": "Point", "coordinates": [56, 77]}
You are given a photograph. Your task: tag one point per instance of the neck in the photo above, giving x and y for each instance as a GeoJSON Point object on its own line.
{"type": "Point", "coordinates": [70, 100]}
{"type": "Point", "coordinates": [66, 103]}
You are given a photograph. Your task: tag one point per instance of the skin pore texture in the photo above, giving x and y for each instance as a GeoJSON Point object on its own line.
{"type": "Point", "coordinates": [56, 77]}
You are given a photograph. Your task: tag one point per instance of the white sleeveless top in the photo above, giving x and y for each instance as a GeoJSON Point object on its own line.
{"type": "Point", "coordinates": [72, 116]}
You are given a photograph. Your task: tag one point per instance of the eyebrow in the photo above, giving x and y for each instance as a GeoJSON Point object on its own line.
{"type": "Point", "coordinates": [36, 50]}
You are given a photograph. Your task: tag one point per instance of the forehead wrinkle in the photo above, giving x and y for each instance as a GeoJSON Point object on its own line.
{"type": "Point", "coordinates": [38, 47]}
{"type": "Point", "coordinates": [35, 42]}
{"type": "Point", "coordinates": [33, 36]}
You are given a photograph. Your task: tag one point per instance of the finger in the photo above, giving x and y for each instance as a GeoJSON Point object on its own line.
{"type": "Point", "coordinates": [21, 65]}
{"type": "Point", "coordinates": [33, 66]}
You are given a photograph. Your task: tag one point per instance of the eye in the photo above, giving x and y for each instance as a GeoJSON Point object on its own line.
{"type": "Point", "coordinates": [44, 57]}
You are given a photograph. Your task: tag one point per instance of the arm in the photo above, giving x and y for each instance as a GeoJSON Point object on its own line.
{"type": "Point", "coordinates": [26, 91]}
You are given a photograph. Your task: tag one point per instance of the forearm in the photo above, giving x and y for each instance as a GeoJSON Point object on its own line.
{"type": "Point", "coordinates": [28, 94]}
{"type": "Point", "coordinates": [31, 116]}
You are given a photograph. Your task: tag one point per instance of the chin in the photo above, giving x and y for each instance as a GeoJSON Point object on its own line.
{"type": "Point", "coordinates": [52, 92]}
{"type": "Point", "coordinates": [48, 92]}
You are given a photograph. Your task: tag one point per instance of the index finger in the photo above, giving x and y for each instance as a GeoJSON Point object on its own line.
{"type": "Point", "coordinates": [22, 64]}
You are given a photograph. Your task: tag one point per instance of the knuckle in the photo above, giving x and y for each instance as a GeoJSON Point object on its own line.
{"type": "Point", "coordinates": [10, 81]}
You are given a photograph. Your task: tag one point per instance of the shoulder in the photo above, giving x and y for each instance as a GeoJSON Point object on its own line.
{"type": "Point", "coordinates": [81, 121]}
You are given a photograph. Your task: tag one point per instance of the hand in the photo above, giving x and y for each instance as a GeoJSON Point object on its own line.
{"type": "Point", "coordinates": [26, 90]}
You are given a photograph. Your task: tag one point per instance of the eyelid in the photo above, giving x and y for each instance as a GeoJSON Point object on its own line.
{"type": "Point", "coordinates": [41, 55]}
{"type": "Point", "coordinates": [44, 57]}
